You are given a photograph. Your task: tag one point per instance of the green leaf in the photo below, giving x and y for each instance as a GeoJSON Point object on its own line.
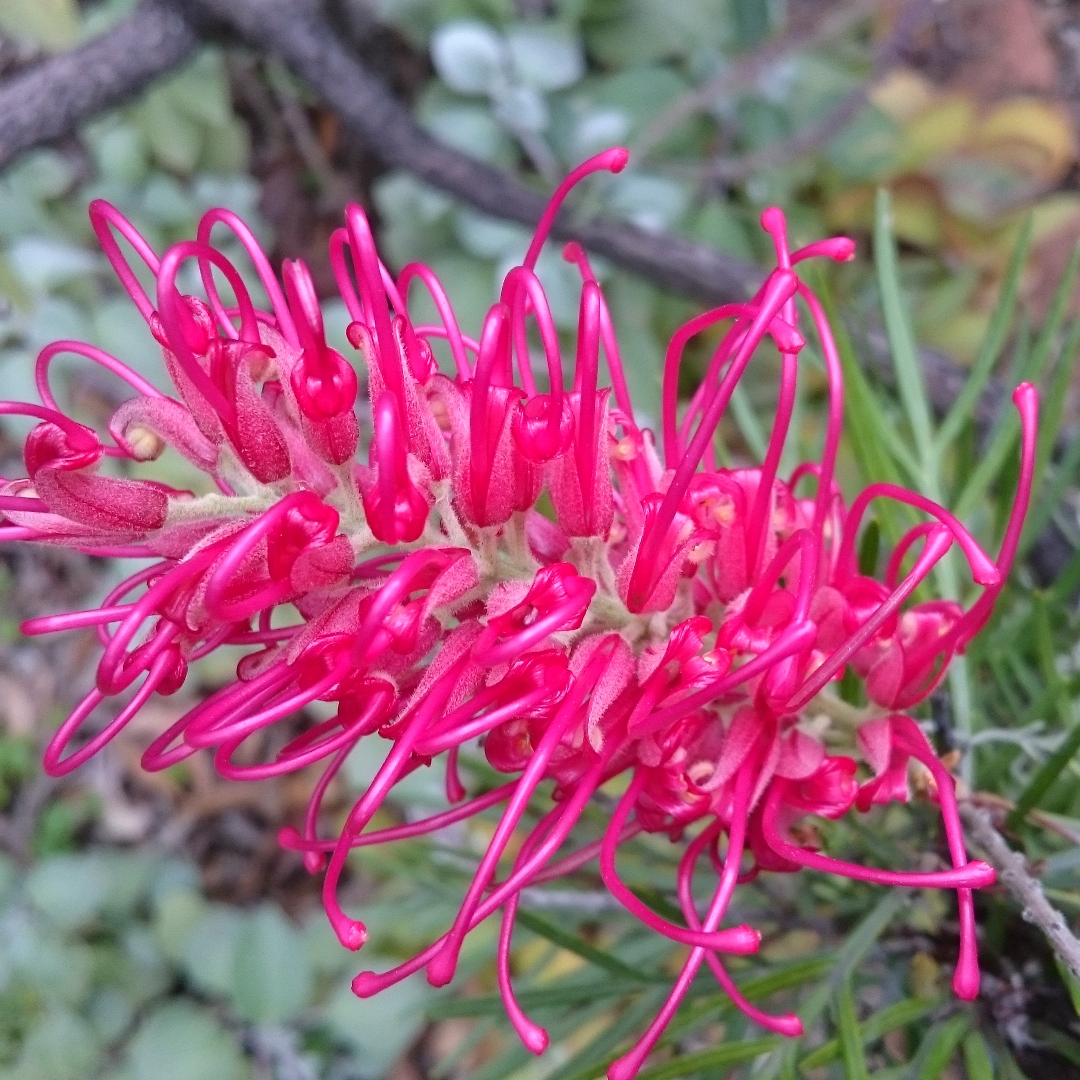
{"type": "Point", "coordinates": [719, 1057]}
{"type": "Point", "coordinates": [851, 1038]}
{"type": "Point", "coordinates": [271, 971]}
{"type": "Point", "coordinates": [571, 942]}
{"type": "Point", "coordinates": [1006, 435]}
{"type": "Point", "coordinates": [939, 1046]}
{"type": "Point", "coordinates": [905, 357]}
{"type": "Point", "coordinates": [209, 953]}
{"type": "Point", "coordinates": [1063, 1043]}
{"type": "Point", "coordinates": [1072, 984]}
{"type": "Point", "coordinates": [977, 1057]}
{"type": "Point", "coordinates": [180, 1041]}
{"type": "Point", "coordinates": [592, 1060]}
{"type": "Point", "coordinates": [442, 1008]}
{"type": "Point", "coordinates": [747, 422]}
{"type": "Point", "coordinates": [889, 1019]}
{"type": "Point", "coordinates": [1056, 763]}
{"type": "Point", "coordinates": [71, 889]}
{"type": "Point", "coordinates": [61, 1047]}
{"type": "Point", "coordinates": [51, 23]}
{"type": "Point", "coordinates": [379, 1028]}
{"type": "Point", "coordinates": [879, 452]}
{"type": "Point", "coordinates": [992, 344]}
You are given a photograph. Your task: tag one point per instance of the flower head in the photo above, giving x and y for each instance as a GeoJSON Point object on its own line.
{"type": "Point", "coordinates": [671, 622]}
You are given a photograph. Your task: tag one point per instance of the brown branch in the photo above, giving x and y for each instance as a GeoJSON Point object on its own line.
{"type": "Point", "coordinates": [1026, 890]}
{"type": "Point", "coordinates": [51, 99]}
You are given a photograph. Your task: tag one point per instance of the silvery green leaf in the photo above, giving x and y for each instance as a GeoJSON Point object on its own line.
{"type": "Point", "coordinates": [42, 262]}
{"type": "Point", "coordinates": [522, 109]}
{"type": "Point", "coordinates": [401, 195]}
{"type": "Point", "coordinates": [110, 1013]}
{"type": "Point", "coordinates": [71, 889]}
{"type": "Point", "coordinates": [378, 1028]}
{"type": "Point", "coordinates": [598, 129]}
{"type": "Point", "coordinates": [180, 1041]}
{"type": "Point", "coordinates": [62, 1046]}
{"type": "Point", "coordinates": [120, 154]}
{"type": "Point", "coordinates": [271, 970]}
{"type": "Point", "coordinates": [54, 318]}
{"type": "Point", "coordinates": [651, 203]}
{"type": "Point", "coordinates": [545, 57]}
{"type": "Point", "coordinates": [208, 954]}
{"type": "Point", "coordinates": [470, 57]}
{"type": "Point", "coordinates": [41, 175]}
{"type": "Point", "coordinates": [53, 24]}
{"type": "Point", "coordinates": [488, 237]}
{"type": "Point", "coordinates": [472, 130]}
{"type": "Point", "coordinates": [176, 913]}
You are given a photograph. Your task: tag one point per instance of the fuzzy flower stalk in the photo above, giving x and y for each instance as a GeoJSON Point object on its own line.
{"type": "Point", "coordinates": [668, 627]}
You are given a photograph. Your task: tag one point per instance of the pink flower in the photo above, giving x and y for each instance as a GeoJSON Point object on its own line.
{"type": "Point", "coordinates": [670, 624]}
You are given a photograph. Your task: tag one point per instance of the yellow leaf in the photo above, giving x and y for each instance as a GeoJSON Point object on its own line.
{"type": "Point", "coordinates": [903, 94]}
{"type": "Point", "coordinates": [945, 126]}
{"type": "Point", "coordinates": [53, 24]}
{"type": "Point", "coordinates": [917, 214]}
{"type": "Point", "coordinates": [1054, 213]}
{"type": "Point", "coordinates": [1034, 136]}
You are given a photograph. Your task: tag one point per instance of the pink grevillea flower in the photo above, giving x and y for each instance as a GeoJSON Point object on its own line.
{"type": "Point", "coordinates": [670, 626]}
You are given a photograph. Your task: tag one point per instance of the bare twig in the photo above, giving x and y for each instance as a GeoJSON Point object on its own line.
{"type": "Point", "coordinates": [1013, 874]}
{"type": "Point", "coordinates": [54, 97]}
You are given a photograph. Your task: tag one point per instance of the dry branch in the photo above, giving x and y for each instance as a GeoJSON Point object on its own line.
{"type": "Point", "coordinates": [1026, 890]}
{"type": "Point", "coordinates": [51, 99]}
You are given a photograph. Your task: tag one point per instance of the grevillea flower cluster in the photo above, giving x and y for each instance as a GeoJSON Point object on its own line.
{"type": "Point", "coordinates": [667, 623]}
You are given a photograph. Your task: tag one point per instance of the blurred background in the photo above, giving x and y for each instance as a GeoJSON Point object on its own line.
{"type": "Point", "coordinates": [151, 928]}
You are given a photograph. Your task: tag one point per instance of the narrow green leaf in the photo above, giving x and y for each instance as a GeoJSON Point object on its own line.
{"type": "Point", "coordinates": [1006, 435]}
{"type": "Point", "coordinates": [858, 944]}
{"type": "Point", "coordinates": [1052, 410]}
{"type": "Point", "coordinates": [1072, 984]}
{"type": "Point", "coordinates": [1064, 1044]}
{"type": "Point", "coordinates": [539, 998]}
{"type": "Point", "coordinates": [851, 1038]}
{"type": "Point", "coordinates": [940, 1045]}
{"type": "Point", "coordinates": [977, 1057]}
{"type": "Point", "coordinates": [1043, 348]}
{"type": "Point", "coordinates": [1056, 763]}
{"type": "Point", "coordinates": [717, 1058]}
{"type": "Point", "coordinates": [748, 424]}
{"type": "Point", "coordinates": [591, 1061]}
{"type": "Point", "coordinates": [1042, 510]}
{"type": "Point", "coordinates": [869, 547]}
{"type": "Point", "coordinates": [879, 452]}
{"type": "Point", "coordinates": [572, 943]}
{"type": "Point", "coordinates": [889, 1019]}
{"type": "Point", "coordinates": [992, 343]}
{"type": "Point", "coordinates": [905, 357]}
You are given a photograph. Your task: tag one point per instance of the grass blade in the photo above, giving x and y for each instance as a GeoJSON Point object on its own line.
{"type": "Point", "coordinates": [572, 943]}
{"type": "Point", "coordinates": [851, 1038]}
{"type": "Point", "coordinates": [992, 343]}
{"type": "Point", "coordinates": [895, 1016]}
{"type": "Point", "coordinates": [716, 1058]}
{"type": "Point", "coordinates": [905, 357]}
{"type": "Point", "coordinates": [940, 1045]}
{"type": "Point", "coordinates": [977, 1057]}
